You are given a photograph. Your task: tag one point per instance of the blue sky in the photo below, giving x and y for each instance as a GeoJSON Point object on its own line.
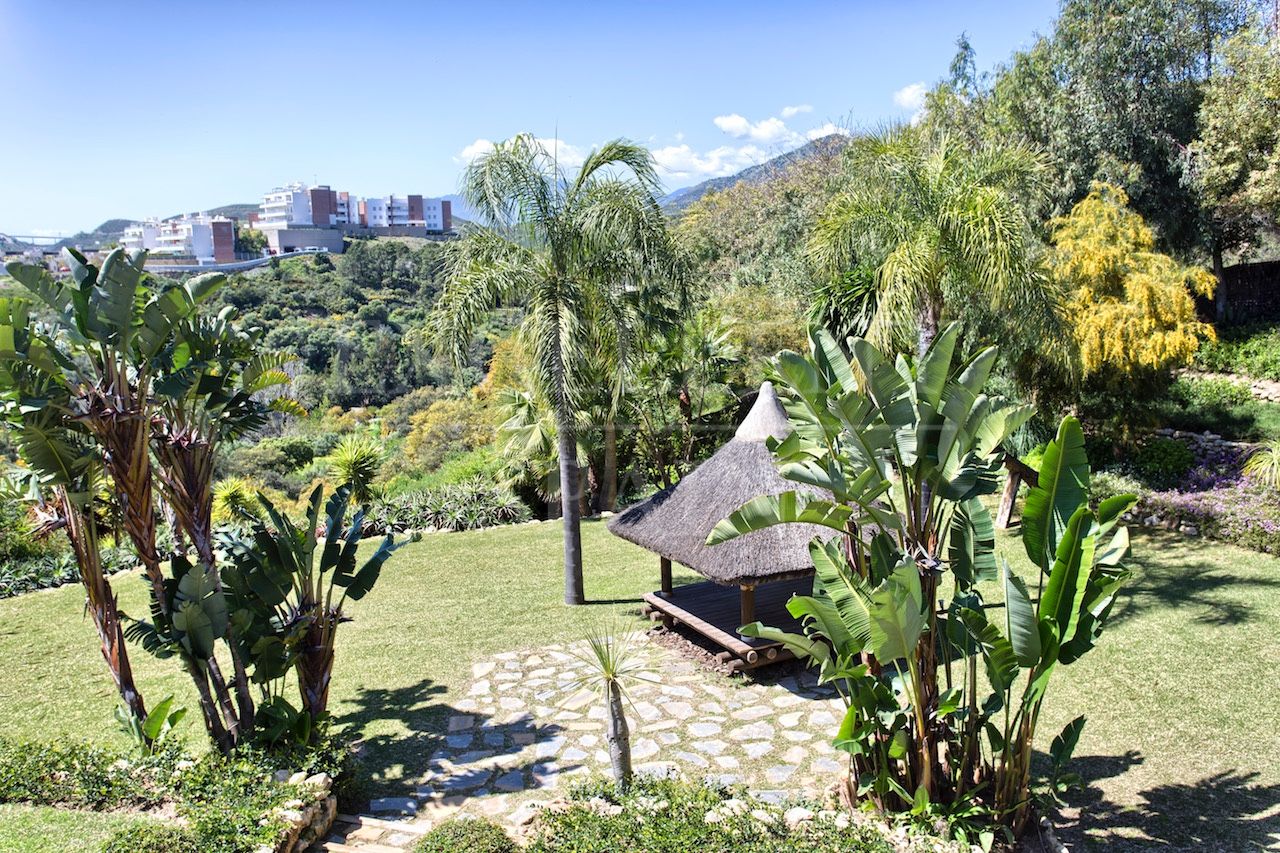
{"type": "Point", "coordinates": [135, 109]}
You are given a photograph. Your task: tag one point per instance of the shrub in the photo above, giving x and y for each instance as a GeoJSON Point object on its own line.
{"type": "Point", "coordinates": [234, 498]}
{"type": "Point", "coordinates": [1107, 484]}
{"type": "Point", "coordinates": [56, 569]}
{"type": "Point", "coordinates": [151, 837]}
{"type": "Point", "coordinates": [396, 415]}
{"type": "Point", "coordinates": [1252, 350]}
{"type": "Point", "coordinates": [356, 461]}
{"type": "Point", "coordinates": [671, 816]}
{"type": "Point", "coordinates": [447, 427]}
{"type": "Point", "coordinates": [17, 534]}
{"type": "Point", "coordinates": [79, 775]}
{"type": "Point", "coordinates": [224, 800]}
{"type": "Point", "coordinates": [464, 506]}
{"type": "Point", "coordinates": [1161, 463]}
{"type": "Point", "coordinates": [1210, 393]}
{"type": "Point", "coordinates": [472, 835]}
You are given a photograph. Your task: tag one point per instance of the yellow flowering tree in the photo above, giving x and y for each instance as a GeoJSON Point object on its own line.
{"type": "Point", "coordinates": [1133, 308]}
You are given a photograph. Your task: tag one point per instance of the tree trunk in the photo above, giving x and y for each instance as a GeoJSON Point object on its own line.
{"type": "Point", "coordinates": [929, 317]}
{"type": "Point", "coordinates": [619, 738]}
{"type": "Point", "coordinates": [102, 604]}
{"type": "Point", "coordinates": [571, 507]}
{"type": "Point", "coordinates": [1220, 293]}
{"type": "Point", "coordinates": [609, 488]}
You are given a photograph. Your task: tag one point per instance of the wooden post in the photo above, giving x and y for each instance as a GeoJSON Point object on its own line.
{"type": "Point", "coordinates": [666, 577]}
{"type": "Point", "coordinates": [748, 605]}
{"type": "Point", "coordinates": [1004, 517]}
{"type": "Point", "coordinates": [1018, 472]}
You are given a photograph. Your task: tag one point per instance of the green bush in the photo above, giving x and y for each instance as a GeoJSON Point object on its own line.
{"type": "Point", "coordinates": [1108, 484]}
{"type": "Point", "coordinates": [17, 536]}
{"type": "Point", "coordinates": [1252, 350]}
{"type": "Point", "coordinates": [79, 775]}
{"type": "Point", "coordinates": [467, 835]}
{"type": "Point", "coordinates": [670, 816]}
{"type": "Point", "coordinates": [1210, 393]}
{"type": "Point", "coordinates": [222, 800]}
{"type": "Point", "coordinates": [150, 837]}
{"type": "Point", "coordinates": [1161, 463]}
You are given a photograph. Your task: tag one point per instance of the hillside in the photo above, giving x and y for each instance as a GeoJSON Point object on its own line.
{"type": "Point", "coordinates": [676, 201]}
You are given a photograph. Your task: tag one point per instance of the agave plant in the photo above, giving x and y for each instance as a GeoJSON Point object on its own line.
{"type": "Point", "coordinates": [873, 625]}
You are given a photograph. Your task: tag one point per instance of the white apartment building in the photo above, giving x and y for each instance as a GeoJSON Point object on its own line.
{"type": "Point", "coordinates": [375, 212]}
{"type": "Point", "coordinates": [285, 207]}
{"type": "Point", "coordinates": [208, 239]}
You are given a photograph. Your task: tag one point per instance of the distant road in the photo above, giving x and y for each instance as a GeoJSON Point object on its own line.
{"type": "Point", "coordinates": [234, 266]}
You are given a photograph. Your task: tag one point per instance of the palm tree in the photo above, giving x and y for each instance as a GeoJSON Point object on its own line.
{"type": "Point", "coordinates": [941, 223]}
{"type": "Point", "coordinates": [567, 248]}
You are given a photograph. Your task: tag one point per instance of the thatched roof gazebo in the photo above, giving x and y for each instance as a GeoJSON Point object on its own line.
{"type": "Point", "coordinates": [748, 578]}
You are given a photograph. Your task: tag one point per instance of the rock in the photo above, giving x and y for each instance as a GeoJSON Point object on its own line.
{"type": "Point", "coordinates": [765, 817]}
{"type": "Point", "coordinates": [298, 778]}
{"type": "Point", "coordinates": [282, 776]}
{"type": "Point", "coordinates": [796, 815]}
{"type": "Point", "coordinates": [320, 780]}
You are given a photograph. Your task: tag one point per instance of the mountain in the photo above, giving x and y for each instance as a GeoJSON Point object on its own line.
{"type": "Point", "coordinates": [676, 201]}
{"type": "Point", "coordinates": [231, 211]}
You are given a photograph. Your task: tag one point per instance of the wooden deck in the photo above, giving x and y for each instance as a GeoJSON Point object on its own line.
{"type": "Point", "coordinates": [714, 611]}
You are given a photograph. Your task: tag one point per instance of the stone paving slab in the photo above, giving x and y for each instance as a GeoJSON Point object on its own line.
{"type": "Point", "coordinates": [526, 728]}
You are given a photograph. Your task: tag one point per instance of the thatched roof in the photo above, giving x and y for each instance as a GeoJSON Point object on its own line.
{"type": "Point", "coordinates": [675, 522]}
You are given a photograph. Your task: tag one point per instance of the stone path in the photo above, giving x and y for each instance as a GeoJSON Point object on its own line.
{"type": "Point", "coordinates": [526, 728]}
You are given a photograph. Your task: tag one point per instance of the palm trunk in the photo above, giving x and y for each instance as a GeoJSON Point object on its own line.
{"type": "Point", "coordinates": [1220, 273]}
{"type": "Point", "coordinates": [618, 735]}
{"type": "Point", "coordinates": [929, 317]}
{"type": "Point", "coordinates": [102, 603]}
{"type": "Point", "coordinates": [570, 505]}
{"type": "Point", "coordinates": [609, 495]}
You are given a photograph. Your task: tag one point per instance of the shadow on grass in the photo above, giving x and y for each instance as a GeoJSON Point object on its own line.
{"type": "Point", "coordinates": [1226, 811]}
{"type": "Point", "coordinates": [1193, 579]}
{"type": "Point", "coordinates": [480, 746]}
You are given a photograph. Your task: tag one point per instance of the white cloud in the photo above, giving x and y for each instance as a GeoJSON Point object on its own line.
{"type": "Point", "coordinates": [769, 130]}
{"type": "Point", "coordinates": [734, 124]}
{"type": "Point", "coordinates": [474, 150]}
{"type": "Point", "coordinates": [792, 112]}
{"type": "Point", "coordinates": [826, 130]}
{"type": "Point", "coordinates": [681, 162]}
{"type": "Point", "coordinates": [911, 97]}
{"type": "Point", "coordinates": [567, 155]}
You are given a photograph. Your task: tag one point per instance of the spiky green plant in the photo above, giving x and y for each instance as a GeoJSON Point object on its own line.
{"type": "Point", "coordinates": [356, 461]}
{"type": "Point", "coordinates": [1263, 465]}
{"type": "Point", "coordinates": [611, 666]}
{"type": "Point", "coordinates": [235, 499]}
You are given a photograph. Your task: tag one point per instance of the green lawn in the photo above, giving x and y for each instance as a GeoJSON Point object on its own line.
{"type": "Point", "coordinates": [39, 829]}
{"type": "Point", "coordinates": [1180, 750]}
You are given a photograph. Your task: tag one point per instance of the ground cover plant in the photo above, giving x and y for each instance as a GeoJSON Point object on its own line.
{"type": "Point", "coordinates": [669, 816]}
{"type": "Point", "coordinates": [1251, 351]}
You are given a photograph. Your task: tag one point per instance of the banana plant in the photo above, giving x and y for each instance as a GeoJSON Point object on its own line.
{"type": "Point", "coordinates": [896, 456]}
{"type": "Point", "coordinates": [904, 448]}
{"type": "Point", "coordinates": [289, 593]}
{"type": "Point", "coordinates": [37, 404]}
